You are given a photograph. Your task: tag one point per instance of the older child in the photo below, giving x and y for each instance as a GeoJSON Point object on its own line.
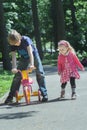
{"type": "Point", "coordinates": [68, 64]}
{"type": "Point", "coordinates": [28, 57]}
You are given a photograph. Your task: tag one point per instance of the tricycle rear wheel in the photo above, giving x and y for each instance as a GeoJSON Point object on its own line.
{"type": "Point", "coordinates": [27, 94]}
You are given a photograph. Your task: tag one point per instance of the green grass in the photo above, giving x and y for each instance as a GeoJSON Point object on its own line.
{"type": "Point", "coordinates": [5, 81]}
{"type": "Point", "coordinates": [50, 59]}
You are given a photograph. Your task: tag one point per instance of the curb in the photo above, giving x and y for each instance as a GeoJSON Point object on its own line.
{"type": "Point", "coordinates": [2, 99]}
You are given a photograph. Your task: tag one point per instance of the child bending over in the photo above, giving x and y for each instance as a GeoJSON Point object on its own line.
{"type": "Point", "coordinates": [29, 57]}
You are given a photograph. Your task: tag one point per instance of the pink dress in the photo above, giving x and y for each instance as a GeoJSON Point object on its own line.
{"type": "Point", "coordinates": [68, 67]}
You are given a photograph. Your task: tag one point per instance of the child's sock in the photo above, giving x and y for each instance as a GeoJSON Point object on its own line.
{"type": "Point", "coordinates": [73, 90]}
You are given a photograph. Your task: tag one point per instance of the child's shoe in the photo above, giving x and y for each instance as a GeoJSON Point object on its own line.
{"type": "Point", "coordinates": [45, 98]}
{"type": "Point", "coordinates": [73, 96]}
{"type": "Point", "coordinates": [62, 96]}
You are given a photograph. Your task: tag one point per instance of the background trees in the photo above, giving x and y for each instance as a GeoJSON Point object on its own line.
{"type": "Point", "coordinates": [36, 27]}
{"type": "Point", "coordinates": [74, 13]}
{"type": "Point", "coordinates": [3, 41]}
{"type": "Point", "coordinates": [58, 21]}
{"type": "Point", "coordinates": [46, 22]}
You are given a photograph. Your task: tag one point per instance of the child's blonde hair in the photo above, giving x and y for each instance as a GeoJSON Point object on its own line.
{"type": "Point", "coordinates": [67, 44]}
{"type": "Point", "coordinates": [13, 37]}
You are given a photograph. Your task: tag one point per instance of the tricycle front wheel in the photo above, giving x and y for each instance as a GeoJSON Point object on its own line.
{"type": "Point", "coordinates": [27, 94]}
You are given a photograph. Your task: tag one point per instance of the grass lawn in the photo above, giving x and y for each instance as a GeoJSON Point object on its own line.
{"type": "Point", "coordinates": [5, 81]}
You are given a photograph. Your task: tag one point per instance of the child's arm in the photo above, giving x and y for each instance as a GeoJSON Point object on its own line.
{"type": "Point", "coordinates": [14, 62]}
{"type": "Point", "coordinates": [14, 65]}
{"type": "Point", "coordinates": [78, 63]}
{"type": "Point", "coordinates": [59, 65]}
{"type": "Point", "coordinates": [30, 53]}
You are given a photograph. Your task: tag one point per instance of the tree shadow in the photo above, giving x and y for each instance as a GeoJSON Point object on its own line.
{"type": "Point", "coordinates": [19, 115]}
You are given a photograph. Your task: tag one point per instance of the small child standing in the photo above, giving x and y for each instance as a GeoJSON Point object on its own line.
{"type": "Point", "coordinates": [68, 64]}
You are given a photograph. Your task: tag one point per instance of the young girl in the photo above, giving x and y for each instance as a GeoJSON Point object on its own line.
{"type": "Point", "coordinates": [68, 64]}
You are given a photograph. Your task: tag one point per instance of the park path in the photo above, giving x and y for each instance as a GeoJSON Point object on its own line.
{"type": "Point", "coordinates": [54, 115]}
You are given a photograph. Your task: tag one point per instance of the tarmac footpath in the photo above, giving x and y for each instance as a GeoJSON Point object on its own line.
{"type": "Point", "coordinates": [55, 114]}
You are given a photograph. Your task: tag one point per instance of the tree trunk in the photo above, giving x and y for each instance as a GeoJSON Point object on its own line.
{"type": "Point", "coordinates": [74, 23]}
{"type": "Point", "coordinates": [36, 27]}
{"type": "Point", "coordinates": [74, 26]}
{"type": "Point", "coordinates": [58, 21]}
{"type": "Point", "coordinates": [3, 41]}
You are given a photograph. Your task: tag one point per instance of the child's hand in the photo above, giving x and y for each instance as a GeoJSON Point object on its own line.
{"type": "Point", "coordinates": [58, 73]}
{"type": "Point", "coordinates": [31, 67]}
{"type": "Point", "coordinates": [14, 70]}
{"type": "Point", "coordinates": [83, 69]}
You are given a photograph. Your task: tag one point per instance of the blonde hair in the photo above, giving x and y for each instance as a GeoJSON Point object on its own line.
{"type": "Point", "coordinates": [13, 37]}
{"type": "Point", "coordinates": [67, 44]}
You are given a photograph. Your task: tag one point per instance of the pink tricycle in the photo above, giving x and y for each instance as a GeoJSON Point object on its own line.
{"type": "Point", "coordinates": [26, 83]}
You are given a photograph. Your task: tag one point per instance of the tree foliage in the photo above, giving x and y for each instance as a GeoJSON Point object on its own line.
{"type": "Point", "coordinates": [78, 39]}
{"type": "Point", "coordinates": [18, 14]}
{"type": "Point", "coordinates": [52, 20]}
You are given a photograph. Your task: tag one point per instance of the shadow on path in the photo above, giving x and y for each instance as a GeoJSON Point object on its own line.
{"type": "Point", "coordinates": [23, 104]}
{"type": "Point", "coordinates": [19, 115]}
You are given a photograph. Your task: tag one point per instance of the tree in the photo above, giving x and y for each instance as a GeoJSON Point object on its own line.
{"type": "Point", "coordinates": [58, 21]}
{"type": "Point", "coordinates": [3, 40]}
{"type": "Point", "coordinates": [36, 27]}
{"type": "Point", "coordinates": [65, 21]}
{"type": "Point", "coordinates": [74, 25]}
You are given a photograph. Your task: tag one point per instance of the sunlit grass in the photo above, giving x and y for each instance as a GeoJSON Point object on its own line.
{"type": "Point", "coordinates": [5, 81]}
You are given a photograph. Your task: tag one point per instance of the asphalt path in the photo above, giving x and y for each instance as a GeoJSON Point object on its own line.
{"type": "Point", "coordinates": [54, 115]}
